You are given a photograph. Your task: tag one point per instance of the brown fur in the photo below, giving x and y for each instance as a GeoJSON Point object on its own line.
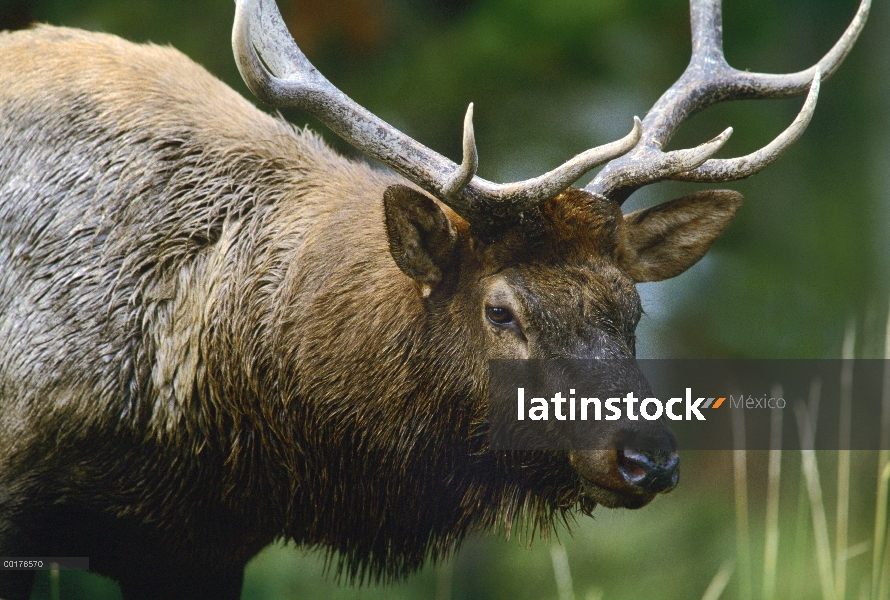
{"type": "Point", "coordinates": [208, 339]}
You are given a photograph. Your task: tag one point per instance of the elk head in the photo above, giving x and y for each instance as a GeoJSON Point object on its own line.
{"type": "Point", "coordinates": [537, 269]}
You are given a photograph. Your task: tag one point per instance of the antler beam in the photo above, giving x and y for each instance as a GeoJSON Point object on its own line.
{"type": "Point", "coordinates": [278, 73]}
{"type": "Point", "coordinates": [706, 81]}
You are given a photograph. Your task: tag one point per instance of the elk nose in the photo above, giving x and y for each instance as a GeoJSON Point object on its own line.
{"type": "Point", "coordinates": [632, 466]}
{"type": "Point", "coordinates": [652, 471]}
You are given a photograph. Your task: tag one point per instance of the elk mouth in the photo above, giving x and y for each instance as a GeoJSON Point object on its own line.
{"type": "Point", "coordinates": [614, 498]}
{"type": "Point", "coordinates": [625, 477]}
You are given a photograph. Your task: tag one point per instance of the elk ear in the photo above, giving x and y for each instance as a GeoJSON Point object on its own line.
{"type": "Point", "coordinates": [663, 241]}
{"type": "Point", "coordinates": [421, 238]}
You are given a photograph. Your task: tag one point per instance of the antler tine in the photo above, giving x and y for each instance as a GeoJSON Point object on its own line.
{"type": "Point", "coordinates": [706, 81]}
{"type": "Point", "coordinates": [515, 198]}
{"type": "Point", "coordinates": [470, 163]}
{"type": "Point", "coordinates": [769, 85]}
{"type": "Point", "coordinates": [278, 73]}
{"type": "Point", "coordinates": [718, 170]}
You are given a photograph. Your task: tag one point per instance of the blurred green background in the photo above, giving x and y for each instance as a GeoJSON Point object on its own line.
{"type": "Point", "coordinates": [808, 253]}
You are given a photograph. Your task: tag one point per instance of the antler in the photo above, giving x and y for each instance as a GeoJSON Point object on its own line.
{"type": "Point", "coordinates": [278, 73]}
{"type": "Point", "coordinates": [708, 80]}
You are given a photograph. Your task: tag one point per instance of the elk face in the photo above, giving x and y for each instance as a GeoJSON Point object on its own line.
{"type": "Point", "coordinates": [553, 288]}
{"type": "Point", "coordinates": [562, 285]}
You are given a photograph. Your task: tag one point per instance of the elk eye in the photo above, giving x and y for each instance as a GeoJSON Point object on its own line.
{"type": "Point", "coordinates": [498, 315]}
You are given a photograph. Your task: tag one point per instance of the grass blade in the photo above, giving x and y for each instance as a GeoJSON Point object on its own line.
{"type": "Point", "coordinates": [804, 516]}
{"type": "Point", "coordinates": [771, 551]}
{"type": "Point", "coordinates": [718, 584]}
{"type": "Point", "coordinates": [54, 590]}
{"type": "Point", "coordinates": [880, 538]}
{"type": "Point", "coordinates": [800, 573]}
{"type": "Point", "coordinates": [884, 587]}
{"type": "Point", "coordinates": [843, 460]}
{"type": "Point", "coordinates": [561, 572]}
{"type": "Point", "coordinates": [814, 490]}
{"type": "Point", "coordinates": [880, 543]}
{"type": "Point", "coordinates": [743, 541]}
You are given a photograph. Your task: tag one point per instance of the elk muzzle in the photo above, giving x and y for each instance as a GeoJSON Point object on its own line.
{"type": "Point", "coordinates": [637, 462]}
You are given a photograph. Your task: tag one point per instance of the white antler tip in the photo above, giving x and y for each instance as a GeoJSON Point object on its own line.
{"type": "Point", "coordinates": [864, 7]}
{"type": "Point", "coordinates": [724, 135]}
{"type": "Point", "coordinates": [470, 139]}
{"type": "Point", "coordinates": [637, 132]}
{"type": "Point", "coordinates": [468, 126]}
{"type": "Point", "coordinates": [467, 168]}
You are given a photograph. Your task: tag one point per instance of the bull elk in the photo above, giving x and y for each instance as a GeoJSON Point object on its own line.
{"type": "Point", "coordinates": [215, 332]}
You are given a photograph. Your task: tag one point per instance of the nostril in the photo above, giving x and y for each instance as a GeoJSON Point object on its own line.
{"type": "Point", "coordinates": [673, 461]}
{"type": "Point", "coordinates": [654, 472]}
{"type": "Point", "coordinates": [634, 465]}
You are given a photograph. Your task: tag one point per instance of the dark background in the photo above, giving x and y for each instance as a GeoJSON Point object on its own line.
{"type": "Point", "coordinates": [807, 254]}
